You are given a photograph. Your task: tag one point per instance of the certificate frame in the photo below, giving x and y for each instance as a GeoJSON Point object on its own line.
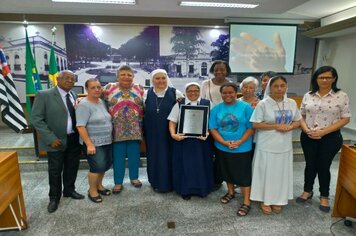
{"type": "Point", "coordinates": [185, 112]}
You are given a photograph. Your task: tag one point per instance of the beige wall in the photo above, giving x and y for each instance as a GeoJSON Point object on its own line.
{"type": "Point", "coordinates": [340, 52]}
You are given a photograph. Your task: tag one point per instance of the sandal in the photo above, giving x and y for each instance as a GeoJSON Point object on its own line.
{"type": "Point", "coordinates": [267, 210]}
{"type": "Point", "coordinates": [117, 190]}
{"type": "Point", "coordinates": [104, 192]}
{"type": "Point", "coordinates": [136, 183]}
{"type": "Point", "coordinates": [227, 198]}
{"type": "Point", "coordinates": [300, 199]}
{"type": "Point", "coordinates": [243, 210]}
{"type": "Point", "coordinates": [96, 199]}
{"type": "Point", "coordinates": [276, 209]}
{"type": "Point", "coordinates": [324, 208]}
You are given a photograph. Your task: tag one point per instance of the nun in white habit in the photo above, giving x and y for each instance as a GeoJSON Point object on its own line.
{"type": "Point", "coordinates": [274, 118]}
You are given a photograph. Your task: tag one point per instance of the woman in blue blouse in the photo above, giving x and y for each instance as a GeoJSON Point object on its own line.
{"type": "Point", "coordinates": [231, 129]}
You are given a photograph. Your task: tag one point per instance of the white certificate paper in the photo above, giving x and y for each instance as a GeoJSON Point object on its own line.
{"type": "Point", "coordinates": [193, 121]}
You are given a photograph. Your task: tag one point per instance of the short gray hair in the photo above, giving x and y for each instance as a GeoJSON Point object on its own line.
{"type": "Point", "coordinates": [126, 68]}
{"type": "Point", "coordinates": [249, 79]}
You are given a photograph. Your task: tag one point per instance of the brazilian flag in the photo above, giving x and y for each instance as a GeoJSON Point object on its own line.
{"type": "Point", "coordinates": [33, 82]}
{"type": "Point", "coordinates": [53, 71]}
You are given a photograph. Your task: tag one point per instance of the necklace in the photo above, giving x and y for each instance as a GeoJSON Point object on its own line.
{"type": "Point", "coordinates": [282, 111]}
{"type": "Point", "coordinates": [125, 94]}
{"type": "Point", "coordinates": [158, 104]}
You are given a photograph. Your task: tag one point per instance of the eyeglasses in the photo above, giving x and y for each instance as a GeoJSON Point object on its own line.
{"type": "Point", "coordinates": [193, 91]}
{"type": "Point", "coordinates": [325, 78]}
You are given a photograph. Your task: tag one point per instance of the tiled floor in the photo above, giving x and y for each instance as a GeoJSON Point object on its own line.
{"type": "Point", "coordinates": [144, 212]}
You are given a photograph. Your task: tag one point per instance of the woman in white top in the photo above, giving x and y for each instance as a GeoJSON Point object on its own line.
{"type": "Point", "coordinates": [210, 89]}
{"type": "Point", "coordinates": [274, 118]}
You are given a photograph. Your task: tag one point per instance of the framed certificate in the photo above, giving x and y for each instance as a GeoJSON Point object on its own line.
{"type": "Point", "coordinates": [193, 120]}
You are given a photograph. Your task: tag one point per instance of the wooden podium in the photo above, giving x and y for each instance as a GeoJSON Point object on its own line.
{"type": "Point", "coordinates": [345, 197]}
{"type": "Point", "coordinates": [12, 206]}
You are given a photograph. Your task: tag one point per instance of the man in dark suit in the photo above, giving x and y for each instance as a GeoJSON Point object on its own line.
{"type": "Point", "coordinates": [53, 117]}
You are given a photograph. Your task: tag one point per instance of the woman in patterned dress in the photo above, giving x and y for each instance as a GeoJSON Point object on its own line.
{"type": "Point", "coordinates": [124, 100]}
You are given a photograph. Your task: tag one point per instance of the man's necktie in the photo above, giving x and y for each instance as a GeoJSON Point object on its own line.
{"type": "Point", "coordinates": [71, 111]}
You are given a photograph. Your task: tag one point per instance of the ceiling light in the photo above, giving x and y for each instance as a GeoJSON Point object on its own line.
{"type": "Point", "coordinates": [216, 4]}
{"type": "Point", "coordinates": [127, 2]}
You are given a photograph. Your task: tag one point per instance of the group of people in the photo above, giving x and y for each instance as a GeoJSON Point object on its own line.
{"type": "Point", "coordinates": [247, 144]}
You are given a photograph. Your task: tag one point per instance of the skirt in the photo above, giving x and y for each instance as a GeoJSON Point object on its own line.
{"type": "Point", "coordinates": [235, 168]}
{"type": "Point", "coordinates": [272, 177]}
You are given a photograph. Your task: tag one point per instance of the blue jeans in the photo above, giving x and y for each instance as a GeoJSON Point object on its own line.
{"type": "Point", "coordinates": [121, 150]}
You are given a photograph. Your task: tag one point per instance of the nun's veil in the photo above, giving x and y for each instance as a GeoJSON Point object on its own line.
{"type": "Point", "coordinates": [156, 71]}
{"type": "Point", "coordinates": [268, 87]}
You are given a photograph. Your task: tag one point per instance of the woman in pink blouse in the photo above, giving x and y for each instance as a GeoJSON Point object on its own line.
{"type": "Point", "coordinates": [125, 104]}
{"type": "Point", "coordinates": [325, 110]}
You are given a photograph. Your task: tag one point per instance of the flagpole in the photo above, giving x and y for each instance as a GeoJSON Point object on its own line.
{"type": "Point", "coordinates": [50, 83]}
{"type": "Point", "coordinates": [33, 82]}
{"type": "Point", "coordinates": [53, 71]}
{"type": "Point", "coordinates": [53, 29]}
{"type": "Point", "coordinates": [29, 129]}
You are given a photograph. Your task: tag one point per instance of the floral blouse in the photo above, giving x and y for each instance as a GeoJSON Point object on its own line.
{"type": "Point", "coordinates": [253, 104]}
{"type": "Point", "coordinates": [126, 109]}
{"type": "Point", "coordinates": [320, 112]}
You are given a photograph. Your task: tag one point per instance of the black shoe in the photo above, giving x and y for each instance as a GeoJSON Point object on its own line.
{"type": "Point", "coordinates": [73, 195]}
{"type": "Point", "coordinates": [157, 190]}
{"type": "Point", "coordinates": [301, 200]}
{"type": "Point", "coordinates": [186, 197]}
{"type": "Point", "coordinates": [325, 209]}
{"type": "Point", "coordinates": [52, 206]}
{"type": "Point", "coordinates": [160, 191]}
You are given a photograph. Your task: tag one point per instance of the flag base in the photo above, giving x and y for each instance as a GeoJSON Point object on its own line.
{"type": "Point", "coordinates": [27, 130]}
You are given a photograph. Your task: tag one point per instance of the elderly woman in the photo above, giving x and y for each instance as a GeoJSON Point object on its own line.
{"type": "Point", "coordinates": [125, 104]}
{"type": "Point", "coordinates": [158, 102]}
{"type": "Point", "coordinates": [95, 130]}
{"type": "Point", "coordinates": [192, 157]}
{"type": "Point", "coordinates": [231, 129]}
{"type": "Point", "coordinates": [248, 88]}
{"type": "Point", "coordinates": [274, 118]}
{"type": "Point", "coordinates": [325, 110]}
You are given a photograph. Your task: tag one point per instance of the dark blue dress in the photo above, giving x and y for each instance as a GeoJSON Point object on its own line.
{"type": "Point", "coordinates": [158, 139]}
{"type": "Point", "coordinates": [193, 165]}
